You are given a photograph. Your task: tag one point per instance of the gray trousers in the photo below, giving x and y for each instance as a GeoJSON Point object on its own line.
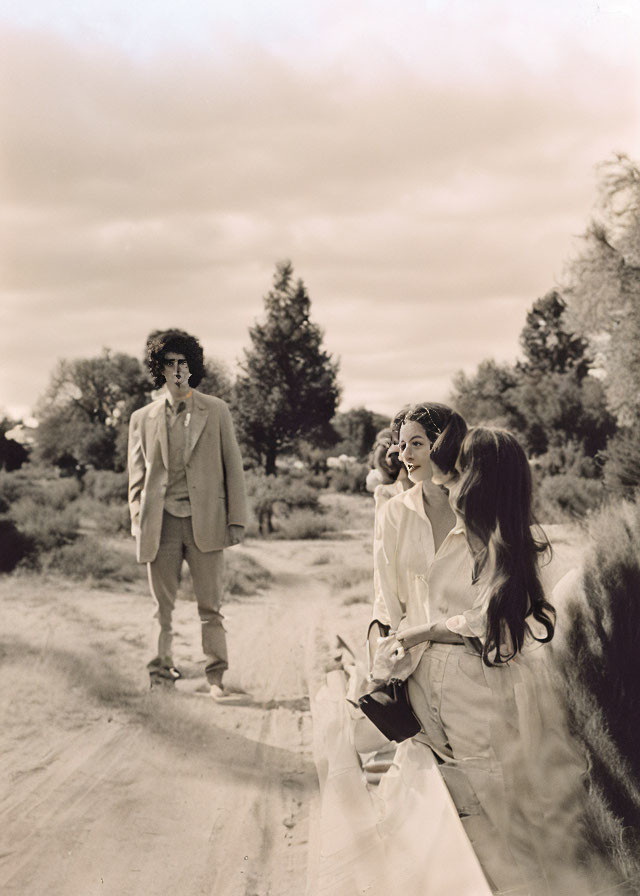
{"type": "Point", "coordinates": [207, 568]}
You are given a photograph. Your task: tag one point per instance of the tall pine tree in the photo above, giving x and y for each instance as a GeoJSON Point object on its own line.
{"type": "Point", "coordinates": [287, 389]}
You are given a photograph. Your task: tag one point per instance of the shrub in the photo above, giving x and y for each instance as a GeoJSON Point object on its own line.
{"type": "Point", "coordinates": [314, 479]}
{"type": "Point", "coordinates": [622, 462]}
{"type": "Point", "coordinates": [600, 668]}
{"type": "Point", "coordinates": [567, 496]}
{"type": "Point", "coordinates": [14, 546]}
{"type": "Point", "coordinates": [44, 525]}
{"type": "Point", "coordinates": [351, 512]}
{"type": "Point", "coordinates": [107, 519]}
{"type": "Point", "coordinates": [15, 485]}
{"type": "Point", "coordinates": [59, 493]}
{"type": "Point", "coordinates": [89, 558]}
{"type": "Point", "coordinates": [349, 479]}
{"type": "Point", "coordinates": [268, 494]}
{"type": "Point", "coordinates": [303, 524]}
{"type": "Point", "coordinates": [40, 513]}
{"type": "Point", "coordinates": [317, 480]}
{"type": "Point", "coordinates": [106, 485]}
{"type": "Point", "coordinates": [39, 483]}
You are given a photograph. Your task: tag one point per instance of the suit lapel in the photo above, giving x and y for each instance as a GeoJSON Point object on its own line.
{"type": "Point", "coordinates": [158, 420]}
{"type": "Point", "coordinates": [194, 430]}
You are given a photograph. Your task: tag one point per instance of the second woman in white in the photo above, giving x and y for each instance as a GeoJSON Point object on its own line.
{"type": "Point", "coordinates": [416, 522]}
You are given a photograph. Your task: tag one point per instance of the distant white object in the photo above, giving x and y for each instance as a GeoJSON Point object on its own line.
{"type": "Point", "coordinates": [23, 433]}
{"type": "Point", "coordinates": [343, 462]}
{"type": "Point", "coordinates": [373, 480]}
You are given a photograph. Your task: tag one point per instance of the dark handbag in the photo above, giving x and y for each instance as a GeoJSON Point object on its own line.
{"type": "Point", "coordinates": [388, 707]}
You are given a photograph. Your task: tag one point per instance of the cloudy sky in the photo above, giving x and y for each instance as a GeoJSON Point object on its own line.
{"type": "Point", "coordinates": [425, 165]}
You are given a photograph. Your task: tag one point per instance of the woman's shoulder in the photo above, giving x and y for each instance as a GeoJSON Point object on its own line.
{"type": "Point", "coordinates": [374, 481]}
{"type": "Point", "coordinates": [404, 503]}
{"type": "Point", "coordinates": [385, 491]}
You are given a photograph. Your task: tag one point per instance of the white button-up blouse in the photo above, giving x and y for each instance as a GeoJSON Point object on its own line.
{"type": "Point", "coordinates": [412, 581]}
{"type": "Point", "coordinates": [414, 585]}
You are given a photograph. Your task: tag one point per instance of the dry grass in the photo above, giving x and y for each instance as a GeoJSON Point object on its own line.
{"type": "Point", "coordinates": [343, 576]}
{"type": "Point", "coordinates": [353, 513]}
{"type": "Point", "coordinates": [600, 666]}
{"type": "Point", "coordinates": [304, 524]}
{"type": "Point", "coordinates": [323, 558]}
{"type": "Point", "coordinates": [356, 596]}
{"type": "Point", "coordinates": [91, 560]}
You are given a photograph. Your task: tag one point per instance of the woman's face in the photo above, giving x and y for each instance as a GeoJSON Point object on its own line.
{"type": "Point", "coordinates": [415, 449]}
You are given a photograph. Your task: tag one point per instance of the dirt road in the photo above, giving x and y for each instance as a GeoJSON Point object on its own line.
{"type": "Point", "coordinates": [108, 788]}
{"type": "Point", "coordinates": [111, 789]}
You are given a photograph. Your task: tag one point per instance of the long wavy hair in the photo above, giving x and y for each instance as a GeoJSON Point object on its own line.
{"type": "Point", "coordinates": [162, 341]}
{"type": "Point", "coordinates": [494, 497]}
{"type": "Point", "coordinates": [444, 428]}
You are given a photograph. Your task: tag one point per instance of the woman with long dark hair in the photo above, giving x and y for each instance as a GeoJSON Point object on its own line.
{"type": "Point", "coordinates": [475, 693]}
{"type": "Point", "coordinates": [491, 491]}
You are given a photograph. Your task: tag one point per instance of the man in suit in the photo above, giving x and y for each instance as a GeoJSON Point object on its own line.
{"type": "Point", "coordinates": [186, 497]}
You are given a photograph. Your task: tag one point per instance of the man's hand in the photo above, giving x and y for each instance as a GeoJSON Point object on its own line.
{"type": "Point", "coordinates": [236, 534]}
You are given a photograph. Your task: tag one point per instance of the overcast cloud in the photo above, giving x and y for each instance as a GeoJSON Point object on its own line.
{"type": "Point", "coordinates": [425, 181]}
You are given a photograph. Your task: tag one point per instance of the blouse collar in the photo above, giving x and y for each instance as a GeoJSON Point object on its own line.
{"type": "Point", "coordinates": [412, 498]}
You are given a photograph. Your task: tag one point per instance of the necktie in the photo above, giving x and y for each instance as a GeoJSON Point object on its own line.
{"type": "Point", "coordinates": [181, 407]}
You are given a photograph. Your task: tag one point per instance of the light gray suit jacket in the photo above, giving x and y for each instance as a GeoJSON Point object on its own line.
{"type": "Point", "coordinates": [215, 476]}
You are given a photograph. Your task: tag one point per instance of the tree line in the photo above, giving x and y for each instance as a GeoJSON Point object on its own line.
{"type": "Point", "coordinates": [285, 394]}
{"type": "Point", "coordinates": [573, 397]}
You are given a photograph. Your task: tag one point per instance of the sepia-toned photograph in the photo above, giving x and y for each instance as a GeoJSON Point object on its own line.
{"type": "Point", "coordinates": [320, 448]}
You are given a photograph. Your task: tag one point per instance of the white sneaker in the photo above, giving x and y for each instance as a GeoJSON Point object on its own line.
{"type": "Point", "coordinates": [229, 698]}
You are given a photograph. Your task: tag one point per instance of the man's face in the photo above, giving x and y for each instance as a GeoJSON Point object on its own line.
{"type": "Point", "coordinates": [176, 373]}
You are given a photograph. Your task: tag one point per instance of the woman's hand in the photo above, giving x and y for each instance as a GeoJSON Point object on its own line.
{"type": "Point", "coordinates": [390, 660]}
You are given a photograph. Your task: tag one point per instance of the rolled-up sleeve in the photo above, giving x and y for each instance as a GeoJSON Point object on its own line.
{"type": "Point", "coordinates": [473, 624]}
{"type": "Point", "coordinates": [470, 624]}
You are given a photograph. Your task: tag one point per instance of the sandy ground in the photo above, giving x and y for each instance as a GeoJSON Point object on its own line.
{"type": "Point", "coordinates": [108, 788]}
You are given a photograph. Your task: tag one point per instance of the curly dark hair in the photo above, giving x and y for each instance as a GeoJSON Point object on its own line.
{"type": "Point", "coordinates": [162, 341]}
